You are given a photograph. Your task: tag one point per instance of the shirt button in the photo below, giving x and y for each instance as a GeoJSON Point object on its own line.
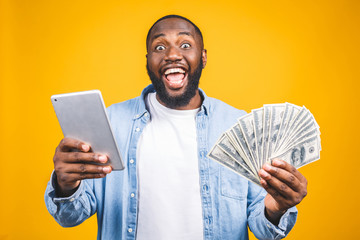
{"type": "Point", "coordinates": [137, 129]}
{"type": "Point", "coordinates": [132, 195]}
{"type": "Point", "coordinates": [131, 161]}
{"type": "Point", "coordinates": [72, 199]}
{"type": "Point", "coordinates": [146, 114]}
{"type": "Point", "coordinates": [130, 230]}
{"type": "Point", "coordinates": [268, 225]}
{"type": "Point", "coordinates": [205, 188]}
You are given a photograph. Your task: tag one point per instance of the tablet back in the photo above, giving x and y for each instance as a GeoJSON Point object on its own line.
{"type": "Point", "coordinates": [82, 115]}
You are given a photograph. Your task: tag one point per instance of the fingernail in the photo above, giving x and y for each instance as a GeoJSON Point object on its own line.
{"type": "Point", "coordinates": [267, 167]}
{"type": "Point", "coordinates": [263, 174]}
{"type": "Point", "coordinates": [276, 162]}
{"type": "Point", "coordinates": [106, 169]}
{"type": "Point", "coordinates": [102, 158]}
{"type": "Point", "coordinates": [85, 147]}
{"type": "Point", "coordinates": [263, 182]}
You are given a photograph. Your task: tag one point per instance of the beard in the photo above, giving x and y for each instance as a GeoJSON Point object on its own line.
{"type": "Point", "coordinates": [183, 99]}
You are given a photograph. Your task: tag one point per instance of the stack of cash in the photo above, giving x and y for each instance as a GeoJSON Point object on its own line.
{"type": "Point", "coordinates": [284, 131]}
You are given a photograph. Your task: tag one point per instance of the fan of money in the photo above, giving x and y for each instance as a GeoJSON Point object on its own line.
{"type": "Point", "coordinates": [284, 131]}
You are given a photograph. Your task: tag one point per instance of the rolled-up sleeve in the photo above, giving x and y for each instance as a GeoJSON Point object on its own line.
{"type": "Point", "coordinates": [73, 210]}
{"type": "Point", "coordinates": [259, 225]}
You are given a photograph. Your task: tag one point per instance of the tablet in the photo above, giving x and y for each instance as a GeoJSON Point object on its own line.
{"type": "Point", "coordinates": [82, 115]}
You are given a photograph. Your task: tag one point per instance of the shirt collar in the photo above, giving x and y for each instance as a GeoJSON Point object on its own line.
{"type": "Point", "coordinates": [205, 106]}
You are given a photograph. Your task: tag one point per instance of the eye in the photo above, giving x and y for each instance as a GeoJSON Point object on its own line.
{"type": "Point", "coordinates": [159, 48]}
{"type": "Point", "coordinates": [185, 45]}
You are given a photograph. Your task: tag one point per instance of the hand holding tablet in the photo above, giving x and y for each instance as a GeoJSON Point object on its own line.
{"type": "Point", "coordinates": [89, 149]}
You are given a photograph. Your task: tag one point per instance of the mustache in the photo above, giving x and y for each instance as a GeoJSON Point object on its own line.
{"type": "Point", "coordinates": [180, 100]}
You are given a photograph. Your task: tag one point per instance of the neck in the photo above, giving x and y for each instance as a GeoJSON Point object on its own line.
{"type": "Point", "coordinates": [195, 102]}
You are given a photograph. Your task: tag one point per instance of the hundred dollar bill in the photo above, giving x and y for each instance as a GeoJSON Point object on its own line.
{"type": "Point", "coordinates": [296, 112]}
{"type": "Point", "coordinates": [225, 144]}
{"type": "Point", "coordinates": [309, 125]}
{"type": "Point", "coordinates": [308, 133]}
{"type": "Point", "coordinates": [233, 140]}
{"type": "Point", "coordinates": [294, 123]}
{"type": "Point", "coordinates": [277, 112]}
{"type": "Point", "coordinates": [284, 121]}
{"type": "Point", "coordinates": [303, 153]}
{"type": "Point", "coordinates": [218, 155]}
{"type": "Point", "coordinates": [266, 123]}
{"type": "Point", "coordinates": [247, 126]}
{"type": "Point", "coordinates": [299, 124]}
{"type": "Point", "coordinates": [236, 131]}
{"type": "Point", "coordinates": [258, 130]}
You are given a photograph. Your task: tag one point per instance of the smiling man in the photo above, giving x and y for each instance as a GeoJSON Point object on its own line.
{"type": "Point", "coordinates": [175, 59]}
{"type": "Point", "coordinates": [169, 188]}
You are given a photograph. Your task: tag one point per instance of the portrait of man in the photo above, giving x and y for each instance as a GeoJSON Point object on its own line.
{"type": "Point", "coordinates": [175, 80]}
{"type": "Point", "coordinates": [169, 188]}
{"type": "Point", "coordinates": [297, 156]}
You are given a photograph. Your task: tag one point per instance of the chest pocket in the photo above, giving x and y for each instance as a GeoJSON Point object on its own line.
{"type": "Point", "coordinates": [233, 185]}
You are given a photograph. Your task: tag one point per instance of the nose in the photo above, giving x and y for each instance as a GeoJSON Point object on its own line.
{"type": "Point", "coordinates": [173, 55]}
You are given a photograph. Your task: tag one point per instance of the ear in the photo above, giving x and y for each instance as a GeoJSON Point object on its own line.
{"type": "Point", "coordinates": [204, 57]}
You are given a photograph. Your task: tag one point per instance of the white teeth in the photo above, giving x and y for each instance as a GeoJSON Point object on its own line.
{"type": "Point", "coordinates": [174, 70]}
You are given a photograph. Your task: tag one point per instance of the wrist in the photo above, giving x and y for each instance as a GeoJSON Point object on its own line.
{"type": "Point", "coordinates": [65, 190]}
{"type": "Point", "coordinates": [274, 216]}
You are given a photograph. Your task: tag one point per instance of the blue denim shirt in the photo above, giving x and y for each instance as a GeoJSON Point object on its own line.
{"type": "Point", "coordinates": [229, 202]}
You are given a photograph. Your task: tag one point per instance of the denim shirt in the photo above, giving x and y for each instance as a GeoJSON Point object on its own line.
{"type": "Point", "coordinates": [229, 202]}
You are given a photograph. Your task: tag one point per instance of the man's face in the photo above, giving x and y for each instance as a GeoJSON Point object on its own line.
{"type": "Point", "coordinates": [296, 156]}
{"type": "Point", "coordinates": [174, 61]}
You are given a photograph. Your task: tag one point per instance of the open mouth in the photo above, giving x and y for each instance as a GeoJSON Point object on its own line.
{"type": "Point", "coordinates": [175, 77]}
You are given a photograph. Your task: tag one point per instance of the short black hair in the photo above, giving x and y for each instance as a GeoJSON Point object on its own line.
{"type": "Point", "coordinates": [173, 16]}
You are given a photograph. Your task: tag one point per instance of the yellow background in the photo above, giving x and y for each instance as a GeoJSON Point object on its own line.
{"type": "Point", "coordinates": [303, 52]}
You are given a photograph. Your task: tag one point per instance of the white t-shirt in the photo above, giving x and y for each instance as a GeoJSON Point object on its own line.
{"type": "Point", "coordinates": [168, 171]}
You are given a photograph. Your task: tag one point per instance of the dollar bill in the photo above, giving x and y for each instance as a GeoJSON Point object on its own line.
{"type": "Point", "coordinates": [247, 127]}
{"type": "Point", "coordinates": [303, 153]}
{"type": "Point", "coordinates": [266, 123]}
{"type": "Point", "coordinates": [288, 114]}
{"type": "Point", "coordinates": [293, 124]}
{"type": "Point", "coordinates": [277, 112]}
{"type": "Point", "coordinates": [239, 136]}
{"type": "Point", "coordinates": [292, 112]}
{"type": "Point", "coordinates": [217, 154]}
{"type": "Point", "coordinates": [225, 144]}
{"type": "Point", "coordinates": [258, 130]}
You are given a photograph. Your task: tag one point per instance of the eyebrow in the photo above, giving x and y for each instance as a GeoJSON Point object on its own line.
{"type": "Point", "coordinates": [185, 33]}
{"type": "Point", "coordinates": [158, 35]}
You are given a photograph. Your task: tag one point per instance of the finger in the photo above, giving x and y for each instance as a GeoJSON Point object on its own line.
{"type": "Point", "coordinates": [82, 168]}
{"type": "Point", "coordinates": [74, 157]}
{"type": "Point", "coordinates": [278, 186]}
{"type": "Point", "coordinates": [284, 176]}
{"type": "Point", "coordinates": [68, 144]}
{"type": "Point", "coordinates": [74, 177]}
{"type": "Point", "coordinates": [288, 167]}
{"type": "Point", "coordinates": [275, 194]}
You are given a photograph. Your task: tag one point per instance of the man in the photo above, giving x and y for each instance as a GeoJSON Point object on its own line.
{"type": "Point", "coordinates": [169, 188]}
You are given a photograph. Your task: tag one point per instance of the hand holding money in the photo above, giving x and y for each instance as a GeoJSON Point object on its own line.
{"type": "Point", "coordinates": [275, 131]}
{"type": "Point", "coordinates": [285, 185]}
